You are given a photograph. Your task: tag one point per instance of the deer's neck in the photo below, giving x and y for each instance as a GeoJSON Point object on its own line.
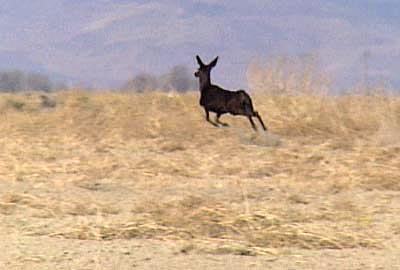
{"type": "Point", "coordinates": [204, 82]}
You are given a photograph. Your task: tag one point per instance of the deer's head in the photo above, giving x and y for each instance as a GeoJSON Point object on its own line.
{"type": "Point", "coordinates": [203, 72]}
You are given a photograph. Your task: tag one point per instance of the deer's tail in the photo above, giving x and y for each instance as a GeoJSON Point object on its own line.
{"type": "Point", "coordinates": [246, 103]}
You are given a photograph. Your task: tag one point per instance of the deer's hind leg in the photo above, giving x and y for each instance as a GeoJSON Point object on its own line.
{"type": "Point", "coordinates": [208, 118]}
{"type": "Point", "coordinates": [260, 120]}
{"type": "Point", "coordinates": [252, 123]}
{"type": "Point", "coordinates": [219, 122]}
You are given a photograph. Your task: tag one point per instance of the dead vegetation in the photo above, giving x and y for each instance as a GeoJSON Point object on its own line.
{"type": "Point", "coordinates": [104, 166]}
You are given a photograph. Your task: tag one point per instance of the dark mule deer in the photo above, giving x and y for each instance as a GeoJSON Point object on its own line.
{"type": "Point", "coordinates": [215, 99]}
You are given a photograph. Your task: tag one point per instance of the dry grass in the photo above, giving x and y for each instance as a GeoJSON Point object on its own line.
{"type": "Point", "coordinates": [120, 166]}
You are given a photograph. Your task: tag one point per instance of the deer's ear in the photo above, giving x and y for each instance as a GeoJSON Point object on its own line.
{"type": "Point", "coordinates": [214, 62]}
{"type": "Point", "coordinates": [201, 64]}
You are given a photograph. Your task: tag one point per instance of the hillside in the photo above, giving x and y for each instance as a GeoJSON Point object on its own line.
{"type": "Point", "coordinates": [122, 180]}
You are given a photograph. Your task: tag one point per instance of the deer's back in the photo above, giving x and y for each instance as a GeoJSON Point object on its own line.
{"type": "Point", "coordinates": [219, 100]}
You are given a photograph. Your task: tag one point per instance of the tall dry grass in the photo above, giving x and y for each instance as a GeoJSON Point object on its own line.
{"type": "Point", "coordinates": [301, 101]}
{"type": "Point", "coordinates": [104, 166]}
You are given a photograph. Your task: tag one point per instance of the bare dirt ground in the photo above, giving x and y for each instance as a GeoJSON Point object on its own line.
{"type": "Point", "coordinates": [124, 181]}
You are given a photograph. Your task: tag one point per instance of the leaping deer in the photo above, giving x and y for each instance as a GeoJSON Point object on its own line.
{"type": "Point", "coordinates": [220, 101]}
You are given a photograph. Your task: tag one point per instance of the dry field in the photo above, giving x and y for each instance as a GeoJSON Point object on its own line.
{"type": "Point", "coordinates": [123, 181]}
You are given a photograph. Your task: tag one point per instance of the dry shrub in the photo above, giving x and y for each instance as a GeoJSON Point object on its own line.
{"type": "Point", "coordinates": [26, 102]}
{"type": "Point", "coordinates": [298, 100]}
{"type": "Point", "coordinates": [213, 227]}
{"type": "Point", "coordinates": [389, 129]}
{"type": "Point", "coordinates": [341, 117]}
{"type": "Point", "coordinates": [376, 179]}
{"type": "Point", "coordinates": [7, 208]}
{"type": "Point", "coordinates": [23, 199]}
{"type": "Point", "coordinates": [288, 76]}
{"type": "Point", "coordinates": [158, 144]}
{"type": "Point", "coordinates": [260, 139]}
{"type": "Point", "coordinates": [177, 117]}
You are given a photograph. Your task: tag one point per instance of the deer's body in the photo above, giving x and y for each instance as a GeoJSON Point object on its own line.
{"type": "Point", "coordinates": [220, 101]}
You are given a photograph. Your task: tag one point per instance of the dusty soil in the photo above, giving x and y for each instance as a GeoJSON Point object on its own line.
{"type": "Point", "coordinates": [120, 181]}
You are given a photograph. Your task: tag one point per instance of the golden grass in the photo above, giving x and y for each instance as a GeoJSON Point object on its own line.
{"type": "Point", "coordinates": [119, 166]}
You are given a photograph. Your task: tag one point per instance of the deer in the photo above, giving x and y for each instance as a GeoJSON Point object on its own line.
{"type": "Point", "coordinates": [220, 101]}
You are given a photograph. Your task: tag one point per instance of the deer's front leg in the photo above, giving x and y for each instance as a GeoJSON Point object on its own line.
{"type": "Point", "coordinates": [219, 122]}
{"type": "Point", "coordinates": [208, 118]}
